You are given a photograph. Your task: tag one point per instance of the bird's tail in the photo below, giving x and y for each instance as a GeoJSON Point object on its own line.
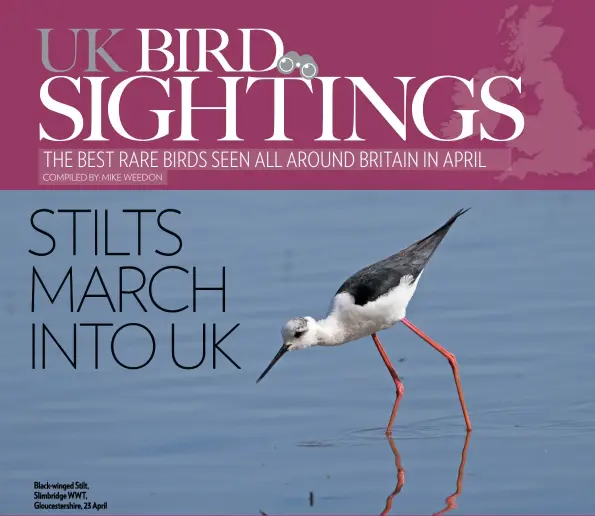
{"type": "Point", "coordinates": [426, 246]}
{"type": "Point", "coordinates": [442, 230]}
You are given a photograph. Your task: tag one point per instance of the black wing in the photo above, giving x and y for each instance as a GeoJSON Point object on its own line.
{"type": "Point", "coordinates": [380, 278]}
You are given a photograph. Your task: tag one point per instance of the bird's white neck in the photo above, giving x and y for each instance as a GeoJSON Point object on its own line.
{"type": "Point", "coordinates": [345, 322]}
{"type": "Point", "coordinates": [331, 331]}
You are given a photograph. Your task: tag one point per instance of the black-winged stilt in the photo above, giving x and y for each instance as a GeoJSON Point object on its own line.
{"type": "Point", "coordinates": [373, 299]}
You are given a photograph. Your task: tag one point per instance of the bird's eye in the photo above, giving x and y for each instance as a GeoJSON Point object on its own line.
{"type": "Point", "coordinates": [298, 334]}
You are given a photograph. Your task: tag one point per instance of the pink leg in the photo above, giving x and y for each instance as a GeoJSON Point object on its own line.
{"type": "Point", "coordinates": [453, 364]}
{"type": "Point", "coordinates": [396, 379]}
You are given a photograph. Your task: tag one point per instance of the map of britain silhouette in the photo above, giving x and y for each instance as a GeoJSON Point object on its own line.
{"type": "Point", "coordinates": [555, 140]}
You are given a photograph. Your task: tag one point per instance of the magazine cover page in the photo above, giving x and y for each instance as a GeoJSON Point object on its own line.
{"type": "Point", "coordinates": [313, 257]}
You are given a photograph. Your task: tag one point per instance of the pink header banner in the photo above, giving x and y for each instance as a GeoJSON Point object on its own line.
{"type": "Point", "coordinates": [242, 96]}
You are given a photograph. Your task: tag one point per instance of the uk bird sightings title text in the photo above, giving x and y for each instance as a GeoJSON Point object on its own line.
{"type": "Point", "coordinates": [82, 98]}
{"type": "Point", "coordinates": [88, 290]}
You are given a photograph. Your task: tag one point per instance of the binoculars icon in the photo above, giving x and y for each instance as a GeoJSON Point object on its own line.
{"type": "Point", "coordinates": [292, 60]}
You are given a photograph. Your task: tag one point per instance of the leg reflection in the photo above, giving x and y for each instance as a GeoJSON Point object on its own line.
{"type": "Point", "coordinates": [400, 470]}
{"type": "Point", "coordinates": [399, 466]}
{"type": "Point", "coordinates": [451, 501]}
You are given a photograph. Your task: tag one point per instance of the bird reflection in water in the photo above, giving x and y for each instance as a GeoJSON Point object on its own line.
{"type": "Point", "coordinates": [400, 476]}
{"type": "Point", "coordinates": [451, 501]}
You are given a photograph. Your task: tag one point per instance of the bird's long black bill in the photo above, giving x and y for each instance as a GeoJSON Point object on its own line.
{"type": "Point", "coordinates": [279, 354]}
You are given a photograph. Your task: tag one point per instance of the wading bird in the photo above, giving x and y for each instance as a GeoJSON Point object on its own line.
{"type": "Point", "coordinates": [373, 299]}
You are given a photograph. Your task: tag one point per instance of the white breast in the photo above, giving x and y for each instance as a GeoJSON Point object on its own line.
{"type": "Point", "coordinates": [360, 321]}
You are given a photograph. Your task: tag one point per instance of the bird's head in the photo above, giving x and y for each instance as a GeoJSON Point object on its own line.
{"type": "Point", "coordinates": [298, 333]}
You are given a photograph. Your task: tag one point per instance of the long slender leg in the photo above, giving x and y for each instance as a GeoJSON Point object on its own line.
{"type": "Point", "coordinates": [451, 360]}
{"type": "Point", "coordinates": [393, 414]}
{"type": "Point", "coordinates": [400, 477]}
{"type": "Point", "coordinates": [396, 379]}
